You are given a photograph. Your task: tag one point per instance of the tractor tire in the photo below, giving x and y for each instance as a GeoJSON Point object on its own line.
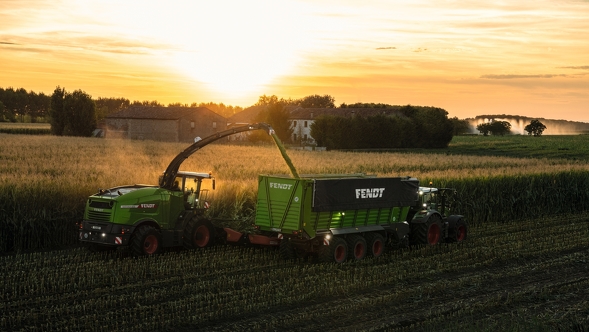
{"type": "Point", "coordinates": [427, 233]}
{"type": "Point", "coordinates": [199, 233]}
{"type": "Point", "coordinates": [459, 232]}
{"type": "Point", "coordinates": [146, 241]}
{"type": "Point", "coordinates": [336, 251]}
{"type": "Point", "coordinates": [375, 244]}
{"type": "Point", "coordinates": [357, 247]}
{"type": "Point", "coordinates": [287, 250]}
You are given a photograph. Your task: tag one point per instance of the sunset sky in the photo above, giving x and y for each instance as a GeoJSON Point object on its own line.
{"type": "Point", "coordinates": [476, 57]}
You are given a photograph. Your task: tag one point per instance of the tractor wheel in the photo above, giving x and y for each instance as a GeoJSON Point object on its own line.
{"type": "Point", "coordinates": [199, 233]}
{"type": "Point", "coordinates": [336, 251]}
{"type": "Point", "coordinates": [357, 247]}
{"type": "Point", "coordinates": [375, 244]}
{"type": "Point", "coordinates": [427, 233]}
{"type": "Point", "coordinates": [146, 241]}
{"type": "Point", "coordinates": [287, 250]}
{"type": "Point", "coordinates": [459, 232]}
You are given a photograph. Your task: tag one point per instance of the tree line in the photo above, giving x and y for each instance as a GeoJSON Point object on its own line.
{"type": "Point", "coordinates": [20, 105]}
{"type": "Point", "coordinates": [408, 127]}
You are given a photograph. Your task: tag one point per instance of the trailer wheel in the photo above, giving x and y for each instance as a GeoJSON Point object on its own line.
{"type": "Point", "coordinates": [459, 232]}
{"type": "Point", "coordinates": [336, 251]}
{"type": "Point", "coordinates": [427, 233]}
{"type": "Point", "coordinates": [286, 250]}
{"type": "Point", "coordinates": [357, 246]}
{"type": "Point", "coordinates": [199, 233]}
{"type": "Point", "coordinates": [146, 241]}
{"type": "Point", "coordinates": [375, 243]}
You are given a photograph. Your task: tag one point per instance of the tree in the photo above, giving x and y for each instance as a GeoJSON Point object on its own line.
{"type": "Point", "coordinates": [316, 101]}
{"type": "Point", "coordinates": [56, 111]}
{"type": "Point", "coordinates": [535, 128]}
{"type": "Point", "coordinates": [461, 127]}
{"type": "Point", "coordinates": [276, 115]}
{"type": "Point", "coordinates": [80, 112]}
{"type": "Point", "coordinates": [2, 112]}
{"type": "Point", "coordinates": [500, 128]}
{"type": "Point", "coordinates": [495, 127]}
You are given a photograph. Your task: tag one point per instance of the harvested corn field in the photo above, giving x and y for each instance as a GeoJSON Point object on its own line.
{"type": "Point", "coordinates": [530, 275]}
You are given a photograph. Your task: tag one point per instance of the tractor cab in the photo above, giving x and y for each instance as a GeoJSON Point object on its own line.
{"type": "Point", "coordinates": [189, 186]}
{"type": "Point", "coordinates": [439, 199]}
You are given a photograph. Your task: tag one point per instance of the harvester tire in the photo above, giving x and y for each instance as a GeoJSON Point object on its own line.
{"type": "Point", "coordinates": [357, 246]}
{"type": "Point", "coordinates": [287, 250]}
{"type": "Point", "coordinates": [146, 241]}
{"type": "Point", "coordinates": [336, 251]}
{"type": "Point", "coordinates": [199, 233]}
{"type": "Point", "coordinates": [375, 244]}
{"type": "Point", "coordinates": [427, 233]}
{"type": "Point", "coordinates": [459, 232]}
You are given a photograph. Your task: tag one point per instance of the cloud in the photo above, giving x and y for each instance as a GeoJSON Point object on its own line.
{"type": "Point", "coordinates": [7, 43]}
{"type": "Point", "coordinates": [509, 77]}
{"type": "Point", "coordinates": [386, 48]}
{"type": "Point", "coordinates": [576, 67]}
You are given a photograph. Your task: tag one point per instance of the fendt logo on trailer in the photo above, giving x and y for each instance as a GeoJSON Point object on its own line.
{"type": "Point", "coordinates": [280, 185]}
{"type": "Point", "coordinates": [369, 193]}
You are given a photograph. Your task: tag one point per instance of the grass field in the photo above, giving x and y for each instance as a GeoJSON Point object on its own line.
{"type": "Point", "coordinates": [523, 267]}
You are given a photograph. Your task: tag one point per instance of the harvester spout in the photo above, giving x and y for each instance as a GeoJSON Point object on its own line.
{"type": "Point", "coordinates": [167, 180]}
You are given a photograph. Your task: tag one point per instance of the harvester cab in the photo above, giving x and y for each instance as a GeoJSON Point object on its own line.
{"type": "Point", "coordinates": [189, 186]}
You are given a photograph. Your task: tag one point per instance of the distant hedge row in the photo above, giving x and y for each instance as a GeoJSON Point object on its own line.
{"type": "Point", "coordinates": [26, 131]}
{"type": "Point", "coordinates": [406, 127]}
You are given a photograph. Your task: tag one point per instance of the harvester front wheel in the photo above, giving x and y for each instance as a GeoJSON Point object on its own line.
{"type": "Point", "coordinates": [427, 233]}
{"type": "Point", "coordinates": [459, 232]}
{"type": "Point", "coordinates": [336, 251]}
{"type": "Point", "coordinates": [199, 233]}
{"type": "Point", "coordinates": [146, 241]}
{"type": "Point", "coordinates": [357, 246]}
{"type": "Point", "coordinates": [376, 244]}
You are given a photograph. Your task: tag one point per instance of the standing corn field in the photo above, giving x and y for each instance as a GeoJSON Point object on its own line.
{"type": "Point", "coordinates": [44, 181]}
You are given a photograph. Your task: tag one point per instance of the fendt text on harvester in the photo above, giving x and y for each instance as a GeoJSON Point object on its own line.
{"type": "Point", "coordinates": [333, 217]}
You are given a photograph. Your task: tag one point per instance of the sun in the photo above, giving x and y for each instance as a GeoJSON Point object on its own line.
{"type": "Point", "coordinates": [238, 47]}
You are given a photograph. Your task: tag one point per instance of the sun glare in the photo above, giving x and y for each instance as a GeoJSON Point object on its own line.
{"type": "Point", "coordinates": [235, 53]}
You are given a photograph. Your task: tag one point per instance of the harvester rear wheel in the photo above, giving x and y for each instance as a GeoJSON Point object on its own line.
{"type": "Point", "coordinates": [146, 241]}
{"type": "Point", "coordinates": [375, 243]}
{"type": "Point", "coordinates": [427, 233]}
{"type": "Point", "coordinates": [336, 251]}
{"type": "Point", "coordinates": [357, 246]}
{"type": "Point", "coordinates": [199, 233]}
{"type": "Point", "coordinates": [459, 232]}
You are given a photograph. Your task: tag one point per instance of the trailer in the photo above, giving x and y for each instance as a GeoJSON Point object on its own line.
{"type": "Point", "coordinates": [340, 217]}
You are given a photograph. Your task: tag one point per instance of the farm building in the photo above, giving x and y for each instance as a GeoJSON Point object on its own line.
{"type": "Point", "coordinates": [302, 118]}
{"type": "Point", "coordinates": [175, 124]}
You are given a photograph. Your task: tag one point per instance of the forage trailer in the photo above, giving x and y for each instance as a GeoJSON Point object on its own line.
{"type": "Point", "coordinates": [340, 217]}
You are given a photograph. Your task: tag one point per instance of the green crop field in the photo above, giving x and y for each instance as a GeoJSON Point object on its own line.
{"type": "Point", "coordinates": [523, 267]}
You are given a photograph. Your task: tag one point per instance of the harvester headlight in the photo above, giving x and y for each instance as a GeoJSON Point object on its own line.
{"type": "Point", "coordinates": [103, 234]}
{"type": "Point", "coordinates": [328, 237]}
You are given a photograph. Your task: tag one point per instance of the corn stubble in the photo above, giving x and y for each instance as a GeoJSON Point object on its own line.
{"type": "Point", "coordinates": [505, 274]}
